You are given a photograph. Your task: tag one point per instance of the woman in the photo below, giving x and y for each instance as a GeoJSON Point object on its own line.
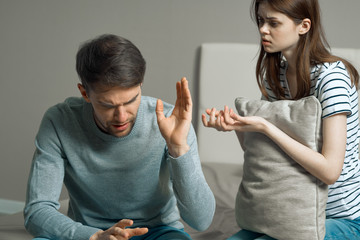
{"type": "Point", "coordinates": [294, 63]}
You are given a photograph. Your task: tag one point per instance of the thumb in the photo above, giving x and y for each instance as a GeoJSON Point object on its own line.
{"type": "Point", "coordinates": [159, 110]}
{"type": "Point", "coordinates": [137, 231]}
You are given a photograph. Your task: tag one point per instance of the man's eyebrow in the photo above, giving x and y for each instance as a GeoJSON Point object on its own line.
{"type": "Point", "coordinates": [126, 103]}
{"type": "Point", "coordinates": [133, 99]}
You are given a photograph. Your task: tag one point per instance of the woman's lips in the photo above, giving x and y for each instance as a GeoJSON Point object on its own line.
{"type": "Point", "coordinates": [266, 42]}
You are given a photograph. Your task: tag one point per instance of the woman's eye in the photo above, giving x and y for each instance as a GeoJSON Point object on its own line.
{"type": "Point", "coordinates": [273, 24]}
{"type": "Point", "coordinates": [260, 21]}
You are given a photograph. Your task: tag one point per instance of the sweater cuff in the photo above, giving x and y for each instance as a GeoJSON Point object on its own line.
{"type": "Point", "coordinates": [85, 232]}
{"type": "Point", "coordinates": [183, 166]}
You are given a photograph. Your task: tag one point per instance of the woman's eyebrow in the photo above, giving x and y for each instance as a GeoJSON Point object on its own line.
{"type": "Point", "coordinates": [268, 17]}
{"type": "Point", "coordinates": [271, 18]}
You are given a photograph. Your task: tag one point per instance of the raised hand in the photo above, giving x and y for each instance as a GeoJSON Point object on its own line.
{"type": "Point", "coordinates": [119, 231]}
{"type": "Point", "coordinates": [175, 128]}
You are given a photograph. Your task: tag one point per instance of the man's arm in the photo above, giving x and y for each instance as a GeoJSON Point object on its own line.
{"type": "Point", "coordinates": [175, 128]}
{"type": "Point", "coordinates": [195, 199]}
{"type": "Point", "coordinates": [41, 214]}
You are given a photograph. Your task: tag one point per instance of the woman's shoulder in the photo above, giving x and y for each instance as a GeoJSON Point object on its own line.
{"type": "Point", "coordinates": [332, 78]}
{"type": "Point", "coordinates": [330, 70]}
{"type": "Point", "coordinates": [327, 67]}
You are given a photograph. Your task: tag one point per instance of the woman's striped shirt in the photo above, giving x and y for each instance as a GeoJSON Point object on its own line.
{"type": "Point", "coordinates": [331, 85]}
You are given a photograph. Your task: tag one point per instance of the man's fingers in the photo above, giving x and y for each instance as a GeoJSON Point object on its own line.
{"type": "Point", "coordinates": [120, 229]}
{"type": "Point", "coordinates": [160, 110]}
{"type": "Point", "coordinates": [124, 223]}
{"type": "Point", "coordinates": [123, 232]}
{"type": "Point", "coordinates": [185, 94]}
{"type": "Point", "coordinates": [137, 231]}
{"type": "Point", "coordinates": [178, 95]}
{"type": "Point", "coordinates": [116, 232]}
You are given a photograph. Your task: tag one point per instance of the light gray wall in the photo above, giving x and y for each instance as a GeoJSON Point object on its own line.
{"type": "Point", "coordinates": [39, 39]}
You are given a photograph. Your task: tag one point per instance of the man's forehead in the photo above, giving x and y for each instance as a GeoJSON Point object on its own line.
{"type": "Point", "coordinates": [117, 95]}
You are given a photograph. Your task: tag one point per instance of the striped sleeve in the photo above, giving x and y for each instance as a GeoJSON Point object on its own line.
{"type": "Point", "coordinates": [337, 95]}
{"type": "Point", "coordinates": [334, 89]}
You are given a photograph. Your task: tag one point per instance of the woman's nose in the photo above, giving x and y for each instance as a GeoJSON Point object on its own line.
{"type": "Point", "coordinates": [264, 29]}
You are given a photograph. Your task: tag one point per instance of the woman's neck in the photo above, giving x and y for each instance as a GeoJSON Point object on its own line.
{"type": "Point", "coordinates": [291, 80]}
{"type": "Point", "coordinates": [291, 73]}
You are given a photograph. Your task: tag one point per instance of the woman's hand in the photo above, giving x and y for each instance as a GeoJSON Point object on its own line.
{"type": "Point", "coordinates": [228, 120]}
{"type": "Point", "coordinates": [215, 119]}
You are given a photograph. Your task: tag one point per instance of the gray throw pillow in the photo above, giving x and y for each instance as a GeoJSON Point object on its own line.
{"type": "Point", "coordinates": [277, 196]}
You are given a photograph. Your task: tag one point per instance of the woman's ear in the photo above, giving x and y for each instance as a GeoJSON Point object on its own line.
{"type": "Point", "coordinates": [305, 26]}
{"type": "Point", "coordinates": [83, 92]}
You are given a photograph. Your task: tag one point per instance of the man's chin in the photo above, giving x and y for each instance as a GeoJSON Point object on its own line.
{"type": "Point", "coordinates": [120, 132]}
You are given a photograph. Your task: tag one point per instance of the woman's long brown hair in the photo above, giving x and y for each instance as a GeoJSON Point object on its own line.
{"type": "Point", "coordinates": [312, 48]}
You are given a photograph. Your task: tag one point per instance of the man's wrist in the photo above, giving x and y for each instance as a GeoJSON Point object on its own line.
{"type": "Point", "coordinates": [177, 151]}
{"type": "Point", "coordinates": [95, 236]}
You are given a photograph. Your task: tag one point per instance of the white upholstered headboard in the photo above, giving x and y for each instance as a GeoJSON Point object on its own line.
{"type": "Point", "coordinates": [227, 71]}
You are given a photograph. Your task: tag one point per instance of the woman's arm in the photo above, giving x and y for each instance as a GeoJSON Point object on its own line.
{"type": "Point", "coordinates": [326, 166]}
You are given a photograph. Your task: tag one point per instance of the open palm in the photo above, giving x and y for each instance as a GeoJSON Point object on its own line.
{"type": "Point", "coordinates": [175, 128]}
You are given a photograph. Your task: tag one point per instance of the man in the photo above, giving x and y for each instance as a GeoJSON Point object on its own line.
{"type": "Point", "coordinates": [129, 162]}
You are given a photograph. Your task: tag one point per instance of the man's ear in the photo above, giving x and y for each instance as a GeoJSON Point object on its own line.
{"type": "Point", "coordinates": [83, 92]}
{"type": "Point", "coordinates": [305, 26]}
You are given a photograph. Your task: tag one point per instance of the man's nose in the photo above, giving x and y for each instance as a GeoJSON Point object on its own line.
{"type": "Point", "coordinates": [120, 114]}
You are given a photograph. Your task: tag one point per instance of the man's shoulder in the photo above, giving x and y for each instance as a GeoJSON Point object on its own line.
{"type": "Point", "coordinates": [69, 105]}
{"type": "Point", "coordinates": [74, 101]}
